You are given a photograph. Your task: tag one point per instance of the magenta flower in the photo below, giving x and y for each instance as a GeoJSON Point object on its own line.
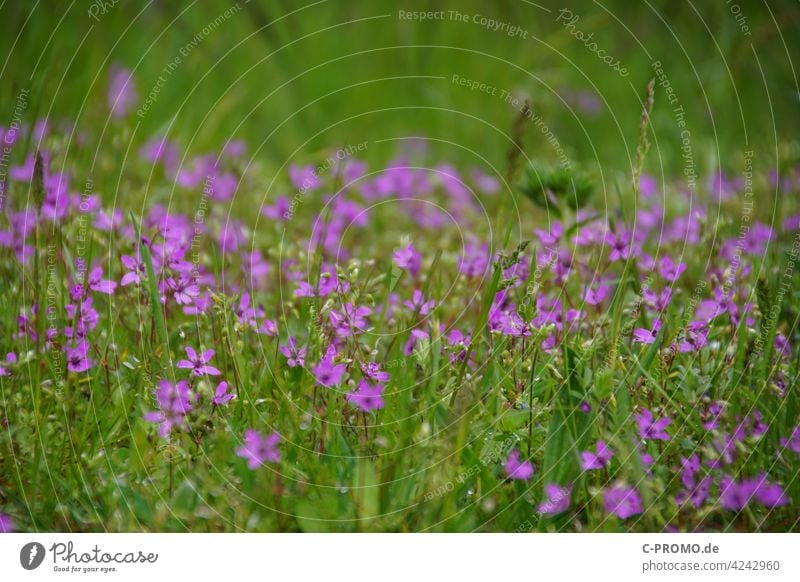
{"type": "Point", "coordinates": [735, 496]}
{"type": "Point", "coordinates": [475, 259]}
{"type": "Point", "coordinates": [595, 296]}
{"type": "Point", "coordinates": [550, 238]}
{"type": "Point", "coordinates": [669, 270]}
{"type": "Point", "coordinates": [649, 428]}
{"type": "Point", "coordinates": [623, 502]}
{"type": "Point", "coordinates": [11, 359]}
{"type": "Point", "coordinates": [268, 327]}
{"type": "Point", "coordinates": [516, 469]}
{"type": "Point", "coordinates": [351, 320]}
{"type": "Point", "coordinates": [326, 373]}
{"type": "Point", "coordinates": [121, 92]}
{"type": "Point", "coordinates": [510, 323]}
{"type": "Point", "coordinates": [418, 303]}
{"type": "Point", "coordinates": [77, 360]}
{"type": "Point", "coordinates": [98, 284]}
{"type": "Point", "coordinates": [136, 270]}
{"type": "Point", "coordinates": [558, 499]}
{"type": "Point", "coordinates": [408, 258]}
{"type": "Point", "coordinates": [294, 356]}
{"type": "Point", "coordinates": [6, 524]}
{"type": "Point", "coordinates": [793, 442]}
{"type": "Point", "coordinates": [277, 211]}
{"type": "Point", "coordinates": [259, 449]}
{"type": "Point", "coordinates": [304, 178]}
{"type": "Point", "coordinates": [484, 182]}
{"type": "Point", "coordinates": [695, 491]}
{"type": "Point", "coordinates": [222, 395]}
{"type": "Point", "coordinates": [199, 364]}
{"type": "Point", "coordinates": [647, 336]}
{"type": "Point", "coordinates": [174, 403]}
{"type": "Point", "coordinates": [592, 461]}
{"type": "Point", "coordinates": [621, 247]}
{"type": "Point", "coordinates": [372, 371]}
{"type": "Point", "coordinates": [367, 396]}
{"type": "Point", "coordinates": [183, 289]}
{"type": "Point", "coordinates": [696, 338]}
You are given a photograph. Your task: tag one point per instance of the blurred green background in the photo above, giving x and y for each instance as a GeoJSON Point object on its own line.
{"type": "Point", "coordinates": [292, 78]}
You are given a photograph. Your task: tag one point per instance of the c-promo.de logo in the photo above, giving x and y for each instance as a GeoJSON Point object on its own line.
{"type": "Point", "coordinates": [31, 555]}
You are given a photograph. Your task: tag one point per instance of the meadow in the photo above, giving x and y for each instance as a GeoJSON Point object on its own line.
{"type": "Point", "coordinates": [377, 267]}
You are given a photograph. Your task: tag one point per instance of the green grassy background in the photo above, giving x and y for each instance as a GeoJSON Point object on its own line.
{"type": "Point", "coordinates": [292, 77]}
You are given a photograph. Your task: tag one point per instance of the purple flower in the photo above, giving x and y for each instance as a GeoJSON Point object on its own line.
{"type": "Point", "coordinates": [121, 92]}
{"type": "Point", "coordinates": [734, 495]}
{"type": "Point", "coordinates": [183, 289]}
{"type": "Point", "coordinates": [351, 320]}
{"type": "Point", "coordinates": [277, 211]}
{"type": "Point", "coordinates": [135, 272]}
{"type": "Point", "coordinates": [696, 337]}
{"type": "Point", "coordinates": [591, 461]}
{"type": "Point", "coordinates": [516, 469]}
{"type": "Point", "coordinates": [647, 336]}
{"type": "Point", "coordinates": [511, 324]}
{"type": "Point", "coordinates": [558, 499]}
{"type": "Point", "coordinates": [222, 395]}
{"type": "Point", "coordinates": [623, 502]}
{"type": "Point", "coordinates": [98, 284]}
{"type": "Point", "coordinates": [174, 403]}
{"type": "Point", "coordinates": [414, 337]}
{"type": "Point", "coordinates": [258, 449]}
{"type": "Point", "coordinates": [793, 442]}
{"type": "Point", "coordinates": [418, 303]}
{"type": "Point", "coordinates": [550, 238]}
{"type": "Point", "coordinates": [77, 360]}
{"type": "Point", "coordinates": [695, 491]}
{"type": "Point", "coordinates": [713, 415]}
{"type": "Point", "coordinates": [649, 428]}
{"type": "Point", "coordinates": [669, 270]}
{"type": "Point", "coordinates": [268, 327]}
{"type": "Point", "coordinates": [367, 397]}
{"type": "Point", "coordinates": [295, 356]}
{"type": "Point", "coordinates": [595, 296]}
{"type": "Point", "coordinates": [304, 178]}
{"type": "Point", "coordinates": [621, 246]}
{"type": "Point", "coordinates": [475, 259]}
{"type": "Point", "coordinates": [372, 370]}
{"type": "Point", "coordinates": [408, 258]}
{"type": "Point", "coordinates": [770, 494]}
{"type": "Point", "coordinates": [199, 364]}
{"type": "Point", "coordinates": [6, 524]}
{"type": "Point", "coordinates": [326, 373]}
{"type": "Point", "coordinates": [11, 358]}
{"type": "Point", "coordinates": [484, 182]}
